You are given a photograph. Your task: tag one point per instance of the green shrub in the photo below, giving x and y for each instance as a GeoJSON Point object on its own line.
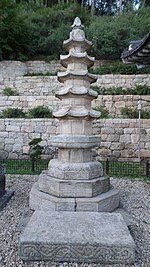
{"type": "Point", "coordinates": [13, 113]}
{"type": "Point", "coordinates": [134, 114]}
{"type": "Point", "coordinates": [142, 90]}
{"type": "Point", "coordinates": [111, 34]}
{"type": "Point", "coordinates": [104, 112]}
{"type": "Point", "coordinates": [29, 30]}
{"type": "Point", "coordinates": [40, 112]}
{"type": "Point", "coordinates": [138, 90]}
{"type": "Point", "coordinates": [41, 74]}
{"type": "Point", "coordinates": [118, 68]}
{"type": "Point", "coordinates": [9, 91]}
{"type": "Point", "coordinates": [16, 40]}
{"type": "Point", "coordinates": [36, 149]}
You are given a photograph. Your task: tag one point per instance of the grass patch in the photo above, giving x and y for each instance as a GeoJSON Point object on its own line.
{"type": "Point", "coordinates": [131, 170]}
{"type": "Point", "coordinates": [24, 166]}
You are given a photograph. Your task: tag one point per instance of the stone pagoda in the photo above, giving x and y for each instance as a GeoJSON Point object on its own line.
{"type": "Point", "coordinates": [74, 182]}
{"type": "Point", "coordinates": [72, 199]}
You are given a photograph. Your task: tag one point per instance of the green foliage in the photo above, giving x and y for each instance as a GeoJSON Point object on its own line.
{"type": "Point", "coordinates": [111, 34]}
{"type": "Point", "coordinates": [9, 91]}
{"type": "Point", "coordinates": [41, 74]}
{"type": "Point", "coordinates": [15, 32]}
{"type": "Point", "coordinates": [134, 114]}
{"type": "Point", "coordinates": [13, 113]}
{"type": "Point", "coordinates": [104, 112]}
{"type": "Point", "coordinates": [36, 149]}
{"type": "Point", "coordinates": [118, 68]}
{"type": "Point", "coordinates": [40, 112]}
{"type": "Point", "coordinates": [37, 112]}
{"type": "Point", "coordinates": [29, 30]}
{"type": "Point", "coordinates": [142, 90]}
{"type": "Point", "coordinates": [138, 90]}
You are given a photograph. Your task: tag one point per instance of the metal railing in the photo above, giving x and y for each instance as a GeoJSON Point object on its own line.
{"type": "Point", "coordinates": [25, 166]}
{"type": "Point", "coordinates": [135, 169]}
{"type": "Point", "coordinates": [111, 168]}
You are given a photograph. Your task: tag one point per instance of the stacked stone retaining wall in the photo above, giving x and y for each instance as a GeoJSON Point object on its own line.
{"type": "Point", "coordinates": [46, 85]}
{"type": "Point", "coordinates": [113, 103]}
{"type": "Point", "coordinates": [119, 137]}
{"type": "Point", "coordinates": [12, 75]}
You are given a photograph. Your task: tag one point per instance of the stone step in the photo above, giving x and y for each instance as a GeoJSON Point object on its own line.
{"type": "Point", "coordinates": [89, 237]}
{"type": "Point", "coordinates": [105, 202]}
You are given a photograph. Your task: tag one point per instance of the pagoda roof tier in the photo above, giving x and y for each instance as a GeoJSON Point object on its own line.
{"type": "Point", "coordinates": [76, 75]}
{"type": "Point", "coordinates": [72, 112]}
{"type": "Point", "coordinates": [139, 52]}
{"type": "Point", "coordinates": [72, 43]}
{"type": "Point", "coordinates": [76, 91]}
{"type": "Point", "coordinates": [74, 57]}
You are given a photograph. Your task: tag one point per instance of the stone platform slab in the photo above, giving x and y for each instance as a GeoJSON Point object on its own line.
{"type": "Point", "coordinates": [77, 237]}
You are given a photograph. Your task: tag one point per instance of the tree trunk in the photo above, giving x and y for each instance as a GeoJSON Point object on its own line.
{"type": "Point", "coordinates": [143, 3]}
{"type": "Point", "coordinates": [92, 7]}
{"type": "Point", "coordinates": [121, 7]}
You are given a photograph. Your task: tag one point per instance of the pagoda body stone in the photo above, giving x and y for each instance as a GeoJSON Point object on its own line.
{"type": "Point", "coordinates": [72, 199]}
{"type": "Point", "coordinates": [74, 181]}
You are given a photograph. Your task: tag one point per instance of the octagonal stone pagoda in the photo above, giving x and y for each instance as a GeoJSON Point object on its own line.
{"type": "Point", "coordinates": [74, 182]}
{"type": "Point", "coordinates": [72, 199]}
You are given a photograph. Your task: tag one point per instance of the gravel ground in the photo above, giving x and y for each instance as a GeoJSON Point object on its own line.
{"type": "Point", "coordinates": [135, 199]}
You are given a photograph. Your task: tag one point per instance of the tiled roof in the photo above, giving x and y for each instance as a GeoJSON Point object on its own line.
{"type": "Point", "coordinates": [139, 52]}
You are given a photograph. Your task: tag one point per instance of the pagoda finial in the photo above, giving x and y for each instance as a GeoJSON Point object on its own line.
{"type": "Point", "coordinates": [77, 23]}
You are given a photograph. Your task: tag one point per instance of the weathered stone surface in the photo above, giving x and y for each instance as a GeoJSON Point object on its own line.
{"type": "Point", "coordinates": [73, 188]}
{"type": "Point", "coordinates": [77, 237]}
{"type": "Point", "coordinates": [39, 200]}
{"type": "Point", "coordinates": [75, 141]}
{"type": "Point", "coordinates": [78, 171]}
{"type": "Point", "coordinates": [27, 133]}
{"type": "Point", "coordinates": [105, 202]}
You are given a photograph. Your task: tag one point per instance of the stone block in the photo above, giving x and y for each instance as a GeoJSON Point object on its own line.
{"type": "Point", "coordinates": [117, 145]}
{"type": "Point", "coordinates": [75, 141]}
{"type": "Point", "coordinates": [73, 188]}
{"type": "Point", "coordinates": [77, 171]}
{"type": "Point", "coordinates": [113, 138]}
{"type": "Point", "coordinates": [104, 152]}
{"type": "Point", "coordinates": [107, 130]}
{"type": "Point", "coordinates": [125, 138]}
{"type": "Point", "coordinates": [77, 237]}
{"type": "Point", "coordinates": [116, 153]}
{"type": "Point", "coordinates": [40, 200]}
{"type": "Point", "coordinates": [134, 138]}
{"type": "Point", "coordinates": [106, 202]}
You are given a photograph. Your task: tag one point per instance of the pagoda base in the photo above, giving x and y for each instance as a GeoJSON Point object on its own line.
{"type": "Point", "coordinates": [89, 237]}
{"type": "Point", "coordinates": [105, 202]}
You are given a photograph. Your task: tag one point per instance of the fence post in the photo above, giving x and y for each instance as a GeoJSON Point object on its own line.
{"type": "Point", "coordinates": [147, 168]}
{"type": "Point", "coordinates": [107, 167]}
{"type": "Point", "coordinates": [2, 179]}
{"type": "Point", "coordinates": [33, 164]}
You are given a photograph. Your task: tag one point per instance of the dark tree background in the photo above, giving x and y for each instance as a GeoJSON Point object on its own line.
{"type": "Point", "coordinates": [36, 29]}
